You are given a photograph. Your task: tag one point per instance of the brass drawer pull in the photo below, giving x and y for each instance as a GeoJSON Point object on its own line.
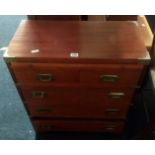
{"type": "Point", "coordinates": [116, 95]}
{"type": "Point", "coordinates": [109, 78]}
{"type": "Point", "coordinates": [43, 110]}
{"type": "Point", "coordinates": [38, 94]}
{"type": "Point", "coordinates": [110, 128]}
{"type": "Point", "coordinates": [45, 77]}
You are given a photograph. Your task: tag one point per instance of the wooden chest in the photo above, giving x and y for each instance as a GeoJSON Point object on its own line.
{"type": "Point", "coordinates": [77, 76]}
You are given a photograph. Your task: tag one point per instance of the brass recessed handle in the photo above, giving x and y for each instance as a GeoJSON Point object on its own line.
{"type": "Point", "coordinates": [109, 78]}
{"type": "Point", "coordinates": [116, 95]}
{"type": "Point", "coordinates": [38, 94]}
{"type": "Point", "coordinates": [110, 128]}
{"type": "Point", "coordinates": [45, 77]}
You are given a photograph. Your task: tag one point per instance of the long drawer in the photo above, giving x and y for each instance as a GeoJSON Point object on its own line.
{"type": "Point", "coordinates": [105, 74]}
{"type": "Point", "coordinates": [78, 125]}
{"type": "Point", "coordinates": [77, 111]}
{"type": "Point", "coordinates": [77, 102]}
{"type": "Point", "coordinates": [75, 94]}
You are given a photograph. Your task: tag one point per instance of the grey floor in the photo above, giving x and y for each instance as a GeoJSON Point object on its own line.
{"type": "Point", "coordinates": [14, 121]}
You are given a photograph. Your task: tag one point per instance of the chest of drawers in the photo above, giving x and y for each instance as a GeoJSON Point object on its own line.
{"type": "Point", "coordinates": [77, 76]}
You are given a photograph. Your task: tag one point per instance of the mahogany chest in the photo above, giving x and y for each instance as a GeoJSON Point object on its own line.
{"type": "Point", "coordinates": [77, 75]}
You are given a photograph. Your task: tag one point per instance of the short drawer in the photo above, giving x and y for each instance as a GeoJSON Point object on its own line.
{"type": "Point", "coordinates": [111, 74]}
{"type": "Point", "coordinates": [50, 94]}
{"type": "Point", "coordinates": [78, 125]}
{"type": "Point", "coordinates": [44, 73]}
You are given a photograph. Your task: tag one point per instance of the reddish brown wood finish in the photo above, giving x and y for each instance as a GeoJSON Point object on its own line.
{"type": "Point", "coordinates": [44, 47]}
{"type": "Point", "coordinates": [77, 73]}
{"type": "Point", "coordinates": [77, 102]}
{"type": "Point", "coordinates": [82, 125]}
{"type": "Point", "coordinates": [94, 41]}
{"type": "Point", "coordinates": [78, 111]}
{"type": "Point", "coordinates": [69, 92]}
{"type": "Point", "coordinates": [61, 73]}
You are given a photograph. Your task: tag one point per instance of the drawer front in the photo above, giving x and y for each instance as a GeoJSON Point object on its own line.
{"type": "Point", "coordinates": [77, 102]}
{"type": "Point", "coordinates": [114, 96]}
{"type": "Point", "coordinates": [77, 73]}
{"type": "Point", "coordinates": [114, 75]}
{"type": "Point", "coordinates": [78, 125]}
{"type": "Point", "coordinates": [44, 73]}
{"type": "Point", "coordinates": [77, 111]}
{"type": "Point", "coordinates": [52, 95]}
{"type": "Point", "coordinates": [75, 95]}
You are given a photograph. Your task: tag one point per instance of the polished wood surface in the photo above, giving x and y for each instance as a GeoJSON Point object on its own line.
{"type": "Point", "coordinates": [77, 73]}
{"type": "Point", "coordinates": [77, 111]}
{"type": "Point", "coordinates": [110, 41]}
{"type": "Point", "coordinates": [141, 21]}
{"type": "Point", "coordinates": [77, 102]}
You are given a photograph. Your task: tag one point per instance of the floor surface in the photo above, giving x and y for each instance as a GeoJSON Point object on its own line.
{"type": "Point", "coordinates": [14, 121]}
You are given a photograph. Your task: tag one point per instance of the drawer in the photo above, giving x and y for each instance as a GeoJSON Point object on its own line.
{"type": "Point", "coordinates": [50, 94]}
{"type": "Point", "coordinates": [76, 94]}
{"type": "Point", "coordinates": [78, 125]}
{"type": "Point", "coordinates": [44, 73]}
{"type": "Point", "coordinates": [77, 102]}
{"type": "Point", "coordinates": [114, 75]}
{"type": "Point", "coordinates": [107, 74]}
{"type": "Point", "coordinates": [110, 96]}
{"type": "Point", "coordinates": [77, 111]}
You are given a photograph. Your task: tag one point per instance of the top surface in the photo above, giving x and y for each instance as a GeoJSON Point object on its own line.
{"type": "Point", "coordinates": [91, 40]}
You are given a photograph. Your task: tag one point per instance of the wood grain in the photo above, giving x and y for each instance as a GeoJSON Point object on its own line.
{"type": "Point", "coordinates": [77, 73]}
{"type": "Point", "coordinates": [106, 41]}
{"type": "Point", "coordinates": [77, 100]}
